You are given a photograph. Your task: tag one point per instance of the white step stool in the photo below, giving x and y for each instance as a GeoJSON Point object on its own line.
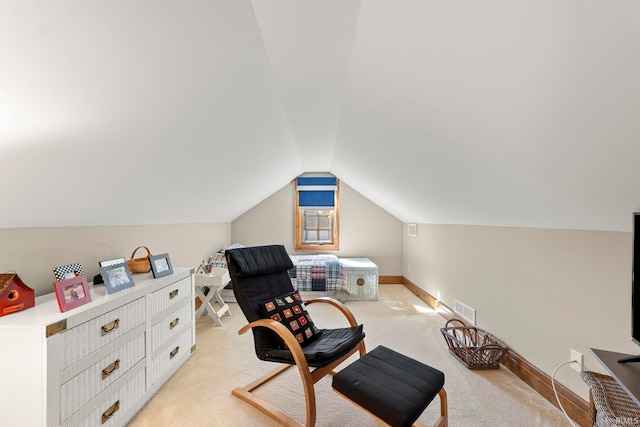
{"type": "Point", "coordinates": [215, 282]}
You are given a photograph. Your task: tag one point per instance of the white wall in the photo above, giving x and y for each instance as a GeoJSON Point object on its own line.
{"type": "Point", "coordinates": [34, 252]}
{"type": "Point", "coordinates": [541, 291]}
{"type": "Point", "coordinates": [366, 230]}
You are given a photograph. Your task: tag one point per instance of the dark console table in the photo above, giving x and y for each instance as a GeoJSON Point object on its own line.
{"type": "Point", "coordinates": [626, 374]}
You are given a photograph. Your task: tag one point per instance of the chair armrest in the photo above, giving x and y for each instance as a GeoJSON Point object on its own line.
{"type": "Point", "coordinates": [287, 336]}
{"type": "Point", "coordinates": [340, 306]}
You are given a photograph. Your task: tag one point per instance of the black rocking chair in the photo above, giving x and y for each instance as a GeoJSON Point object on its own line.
{"type": "Point", "coordinates": [263, 290]}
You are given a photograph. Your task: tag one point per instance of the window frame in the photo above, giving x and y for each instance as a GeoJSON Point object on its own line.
{"type": "Point", "coordinates": [299, 225]}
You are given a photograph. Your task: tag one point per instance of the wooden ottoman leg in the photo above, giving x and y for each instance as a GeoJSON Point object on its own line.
{"type": "Point", "coordinates": [443, 419]}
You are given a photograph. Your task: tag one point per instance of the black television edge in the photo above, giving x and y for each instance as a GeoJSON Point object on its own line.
{"type": "Point", "coordinates": [635, 288]}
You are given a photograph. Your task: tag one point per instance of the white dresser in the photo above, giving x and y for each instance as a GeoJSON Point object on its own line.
{"type": "Point", "coordinates": [98, 364]}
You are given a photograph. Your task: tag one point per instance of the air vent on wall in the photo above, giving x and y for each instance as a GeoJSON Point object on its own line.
{"type": "Point", "coordinates": [412, 230]}
{"type": "Point", "coordinates": [464, 311]}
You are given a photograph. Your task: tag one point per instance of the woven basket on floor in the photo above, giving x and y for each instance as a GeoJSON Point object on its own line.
{"type": "Point", "coordinates": [473, 346]}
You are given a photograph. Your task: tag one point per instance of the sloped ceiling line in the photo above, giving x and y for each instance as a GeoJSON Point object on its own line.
{"type": "Point", "coordinates": [309, 46]}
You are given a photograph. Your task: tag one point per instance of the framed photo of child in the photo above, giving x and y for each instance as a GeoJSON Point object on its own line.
{"type": "Point", "coordinates": [116, 277]}
{"type": "Point", "coordinates": [72, 292]}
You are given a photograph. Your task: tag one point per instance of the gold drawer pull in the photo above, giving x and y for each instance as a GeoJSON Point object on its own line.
{"type": "Point", "coordinates": [174, 352]}
{"type": "Point", "coordinates": [109, 412]}
{"type": "Point", "coordinates": [174, 323]}
{"type": "Point", "coordinates": [109, 369]}
{"type": "Point", "coordinates": [173, 294]}
{"type": "Point", "coordinates": [110, 327]}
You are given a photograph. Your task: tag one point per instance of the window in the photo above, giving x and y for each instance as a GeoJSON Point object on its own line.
{"type": "Point", "coordinates": [317, 213]}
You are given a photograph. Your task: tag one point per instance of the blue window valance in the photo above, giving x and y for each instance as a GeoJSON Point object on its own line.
{"type": "Point", "coordinates": [317, 192]}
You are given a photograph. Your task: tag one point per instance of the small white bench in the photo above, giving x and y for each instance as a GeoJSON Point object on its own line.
{"type": "Point", "coordinates": [214, 282]}
{"type": "Point", "coordinates": [361, 278]}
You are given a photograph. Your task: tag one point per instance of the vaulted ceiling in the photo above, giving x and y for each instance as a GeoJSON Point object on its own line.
{"type": "Point", "coordinates": [157, 111]}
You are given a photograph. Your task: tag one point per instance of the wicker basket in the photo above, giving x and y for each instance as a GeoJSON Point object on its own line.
{"type": "Point", "coordinates": [611, 403]}
{"type": "Point", "coordinates": [139, 265]}
{"type": "Point", "coordinates": [473, 346]}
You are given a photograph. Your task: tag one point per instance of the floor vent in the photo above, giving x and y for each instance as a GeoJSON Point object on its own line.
{"type": "Point", "coordinates": [464, 311]}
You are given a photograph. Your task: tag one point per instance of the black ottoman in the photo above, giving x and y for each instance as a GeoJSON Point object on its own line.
{"type": "Point", "coordinates": [392, 387]}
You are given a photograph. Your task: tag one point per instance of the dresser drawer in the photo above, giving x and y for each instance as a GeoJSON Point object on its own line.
{"type": "Point", "coordinates": [112, 407]}
{"type": "Point", "coordinates": [171, 325]}
{"type": "Point", "coordinates": [77, 391]}
{"type": "Point", "coordinates": [88, 337]}
{"type": "Point", "coordinates": [169, 295]}
{"type": "Point", "coordinates": [170, 356]}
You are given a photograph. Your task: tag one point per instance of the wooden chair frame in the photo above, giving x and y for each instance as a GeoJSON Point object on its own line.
{"type": "Point", "coordinates": [442, 421]}
{"type": "Point", "coordinates": [308, 376]}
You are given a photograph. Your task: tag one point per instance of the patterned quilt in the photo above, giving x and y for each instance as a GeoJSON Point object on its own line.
{"type": "Point", "coordinates": [317, 273]}
{"type": "Point", "coordinates": [310, 272]}
{"type": "Point", "coordinates": [218, 259]}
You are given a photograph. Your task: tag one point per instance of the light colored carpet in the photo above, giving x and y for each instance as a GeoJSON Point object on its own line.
{"type": "Point", "coordinates": [199, 394]}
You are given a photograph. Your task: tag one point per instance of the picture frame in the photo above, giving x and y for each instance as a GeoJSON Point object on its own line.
{"type": "Point", "coordinates": [116, 277]}
{"type": "Point", "coordinates": [108, 262]}
{"type": "Point", "coordinates": [72, 292]}
{"type": "Point", "coordinates": [63, 272]}
{"type": "Point", "coordinates": [160, 265]}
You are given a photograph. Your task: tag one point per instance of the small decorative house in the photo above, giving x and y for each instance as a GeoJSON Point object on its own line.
{"type": "Point", "coordinates": [14, 294]}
